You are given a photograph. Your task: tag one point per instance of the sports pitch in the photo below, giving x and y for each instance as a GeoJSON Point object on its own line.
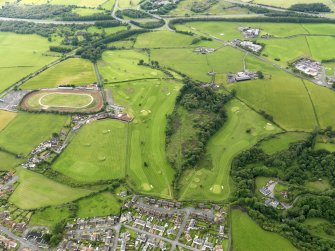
{"type": "Point", "coordinates": [63, 101]}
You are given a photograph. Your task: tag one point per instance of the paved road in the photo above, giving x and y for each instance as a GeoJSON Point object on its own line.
{"type": "Point", "coordinates": [23, 242]}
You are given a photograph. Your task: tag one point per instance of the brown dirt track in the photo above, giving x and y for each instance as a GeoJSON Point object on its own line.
{"type": "Point", "coordinates": [96, 106]}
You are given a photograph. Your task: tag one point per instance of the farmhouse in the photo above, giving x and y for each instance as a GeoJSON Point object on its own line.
{"type": "Point", "coordinates": [204, 50]}
{"type": "Point", "coordinates": [241, 76]}
{"type": "Point", "coordinates": [307, 66]}
{"type": "Point", "coordinates": [249, 45]}
{"type": "Point", "coordinates": [249, 32]}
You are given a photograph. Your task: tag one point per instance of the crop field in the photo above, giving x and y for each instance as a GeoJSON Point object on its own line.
{"type": "Point", "coordinates": [149, 101]}
{"type": "Point", "coordinates": [49, 216]}
{"type": "Point", "coordinates": [118, 65]}
{"type": "Point", "coordinates": [80, 3]}
{"type": "Point", "coordinates": [6, 118]}
{"type": "Point", "coordinates": [73, 71]}
{"type": "Point", "coordinates": [281, 141]}
{"type": "Point", "coordinates": [61, 100]}
{"type": "Point", "coordinates": [214, 183]}
{"type": "Point", "coordinates": [35, 191]}
{"type": "Point", "coordinates": [21, 55]}
{"type": "Point", "coordinates": [26, 131]}
{"type": "Point", "coordinates": [97, 152]}
{"type": "Point", "coordinates": [248, 236]}
{"type": "Point", "coordinates": [98, 205]}
{"type": "Point", "coordinates": [282, 96]}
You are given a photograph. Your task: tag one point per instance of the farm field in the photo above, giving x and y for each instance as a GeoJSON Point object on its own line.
{"type": "Point", "coordinates": [73, 71]}
{"type": "Point", "coordinates": [6, 118]}
{"type": "Point", "coordinates": [281, 141]}
{"type": "Point", "coordinates": [288, 3]}
{"type": "Point", "coordinates": [96, 152]}
{"type": "Point", "coordinates": [214, 183]}
{"type": "Point", "coordinates": [102, 204]}
{"type": "Point", "coordinates": [80, 3]}
{"type": "Point", "coordinates": [26, 131]}
{"type": "Point", "coordinates": [149, 102]}
{"type": "Point", "coordinates": [326, 146]}
{"type": "Point", "coordinates": [281, 95]}
{"type": "Point", "coordinates": [86, 11]}
{"type": "Point", "coordinates": [251, 237]}
{"type": "Point", "coordinates": [129, 4]}
{"type": "Point", "coordinates": [35, 191]}
{"type": "Point", "coordinates": [21, 55]}
{"type": "Point", "coordinates": [118, 65]}
{"type": "Point", "coordinates": [8, 161]}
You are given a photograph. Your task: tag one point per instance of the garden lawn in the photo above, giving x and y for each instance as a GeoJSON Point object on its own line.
{"type": "Point", "coordinates": [248, 236]}
{"type": "Point", "coordinates": [73, 71]}
{"type": "Point", "coordinates": [96, 152]}
{"type": "Point", "coordinates": [214, 183]}
{"type": "Point", "coordinates": [101, 204]}
{"type": "Point", "coordinates": [27, 130]}
{"type": "Point", "coordinates": [35, 191]}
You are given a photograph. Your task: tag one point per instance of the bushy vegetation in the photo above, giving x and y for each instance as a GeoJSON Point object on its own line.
{"type": "Point", "coordinates": [204, 111]}
{"type": "Point", "coordinates": [199, 7]}
{"type": "Point", "coordinates": [295, 166]}
{"type": "Point", "coordinates": [312, 7]}
{"type": "Point", "coordinates": [132, 13]}
{"type": "Point", "coordinates": [149, 25]}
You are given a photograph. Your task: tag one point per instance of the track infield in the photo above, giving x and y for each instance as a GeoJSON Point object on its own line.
{"type": "Point", "coordinates": [85, 101]}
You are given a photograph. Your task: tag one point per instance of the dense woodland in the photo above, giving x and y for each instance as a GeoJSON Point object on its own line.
{"type": "Point", "coordinates": [296, 165]}
{"type": "Point", "coordinates": [312, 7]}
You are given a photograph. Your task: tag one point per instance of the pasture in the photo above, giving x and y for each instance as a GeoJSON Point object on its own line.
{"type": "Point", "coordinates": [8, 161]}
{"type": "Point", "coordinates": [101, 204]}
{"type": "Point", "coordinates": [21, 55]}
{"type": "Point", "coordinates": [35, 191]}
{"type": "Point", "coordinates": [319, 185]}
{"type": "Point", "coordinates": [50, 216]}
{"type": "Point", "coordinates": [213, 182]}
{"type": "Point", "coordinates": [26, 131]}
{"type": "Point", "coordinates": [288, 3]}
{"type": "Point", "coordinates": [73, 71]}
{"type": "Point", "coordinates": [281, 142]}
{"type": "Point", "coordinates": [280, 95]}
{"type": "Point", "coordinates": [80, 3]}
{"type": "Point", "coordinates": [248, 236]}
{"type": "Point", "coordinates": [61, 100]}
{"type": "Point", "coordinates": [118, 65]}
{"type": "Point", "coordinates": [6, 118]}
{"type": "Point", "coordinates": [96, 152]}
{"type": "Point", "coordinates": [149, 101]}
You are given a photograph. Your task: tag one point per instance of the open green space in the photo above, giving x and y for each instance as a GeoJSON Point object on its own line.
{"type": "Point", "coordinates": [35, 191]}
{"type": "Point", "coordinates": [49, 216]}
{"type": "Point", "coordinates": [6, 118]}
{"type": "Point", "coordinates": [321, 228]}
{"type": "Point", "coordinates": [281, 95]}
{"type": "Point", "coordinates": [80, 3]}
{"type": "Point", "coordinates": [150, 102]}
{"type": "Point", "coordinates": [281, 141]}
{"type": "Point", "coordinates": [288, 3]}
{"type": "Point", "coordinates": [28, 130]}
{"type": "Point", "coordinates": [120, 65]}
{"type": "Point", "coordinates": [21, 55]}
{"type": "Point", "coordinates": [248, 236]}
{"type": "Point", "coordinates": [96, 152]}
{"type": "Point", "coordinates": [319, 185]}
{"type": "Point", "coordinates": [101, 204]}
{"type": "Point", "coordinates": [213, 182]}
{"type": "Point", "coordinates": [8, 161]}
{"type": "Point", "coordinates": [326, 146]}
{"type": "Point", "coordinates": [73, 71]}
{"type": "Point", "coordinates": [86, 11]}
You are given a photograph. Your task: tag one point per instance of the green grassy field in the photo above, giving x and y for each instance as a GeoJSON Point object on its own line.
{"type": "Point", "coordinates": [108, 31]}
{"type": "Point", "coordinates": [319, 185]}
{"type": "Point", "coordinates": [49, 216]}
{"type": "Point", "coordinates": [21, 55]}
{"type": "Point", "coordinates": [230, 140]}
{"type": "Point", "coordinates": [86, 11]}
{"type": "Point", "coordinates": [6, 118]}
{"type": "Point", "coordinates": [73, 71]}
{"type": "Point", "coordinates": [326, 146]}
{"type": "Point", "coordinates": [282, 96]}
{"type": "Point", "coordinates": [288, 3]}
{"type": "Point", "coordinates": [281, 142]}
{"type": "Point", "coordinates": [317, 227]}
{"type": "Point", "coordinates": [149, 102]}
{"type": "Point", "coordinates": [26, 131]}
{"type": "Point", "coordinates": [8, 161]}
{"type": "Point", "coordinates": [97, 152]}
{"type": "Point", "coordinates": [127, 4]}
{"type": "Point", "coordinates": [197, 66]}
{"type": "Point", "coordinates": [248, 236]}
{"type": "Point", "coordinates": [80, 3]}
{"type": "Point", "coordinates": [118, 66]}
{"type": "Point", "coordinates": [98, 205]}
{"type": "Point", "coordinates": [35, 191]}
